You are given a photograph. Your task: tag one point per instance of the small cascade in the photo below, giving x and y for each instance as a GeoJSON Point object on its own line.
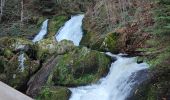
{"type": "Point", "coordinates": [42, 32]}
{"type": "Point", "coordinates": [117, 85]}
{"type": "Point", "coordinates": [38, 37]}
{"type": "Point", "coordinates": [21, 60]}
{"type": "Point", "coordinates": [72, 30]}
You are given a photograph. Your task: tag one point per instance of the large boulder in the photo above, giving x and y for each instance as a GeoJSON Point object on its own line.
{"type": "Point", "coordinates": [17, 70]}
{"type": "Point", "coordinates": [54, 93]}
{"type": "Point", "coordinates": [14, 43]}
{"type": "Point", "coordinates": [80, 66]}
{"type": "Point", "coordinates": [92, 40]}
{"type": "Point", "coordinates": [105, 42]}
{"type": "Point", "coordinates": [110, 43]}
{"type": "Point", "coordinates": [49, 46]}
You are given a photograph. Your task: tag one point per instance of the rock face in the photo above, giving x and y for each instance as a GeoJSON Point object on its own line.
{"type": "Point", "coordinates": [80, 66]}
{"type": "Point", "coordinates": [54, 93]}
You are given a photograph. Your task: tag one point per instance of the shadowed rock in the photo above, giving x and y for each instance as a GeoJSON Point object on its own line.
{"type": "Point", "coordinates": [40, 78]}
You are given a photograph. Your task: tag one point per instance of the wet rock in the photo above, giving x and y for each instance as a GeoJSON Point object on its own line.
{"type": "Point", "coordinates": [155, 88]}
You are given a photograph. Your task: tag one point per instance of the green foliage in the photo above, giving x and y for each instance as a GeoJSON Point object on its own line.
{"type": "Point", "coordinates": [162, 18]}
{"type": "Point", "coordinates": [160, 59]}
{"type": "Point", "coordinates": [54, 93]}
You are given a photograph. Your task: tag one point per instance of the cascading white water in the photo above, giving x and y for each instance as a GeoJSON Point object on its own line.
{"type": "Point", "coordinates": [42, 32]}
{"type": "Point", "coordinates": [21, 60]}
{"type": "Point", "coordinates": [72, 30]}
{"type": "Point", "coordinates": [117, 85]}
{"type": "Point", "coordinates": [38, 37]}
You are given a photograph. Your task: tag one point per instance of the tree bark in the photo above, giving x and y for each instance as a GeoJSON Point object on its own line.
{"type": "Point", "coordinates": [22, 12]}
{"type": "Point", "coordinates": [1, 9]}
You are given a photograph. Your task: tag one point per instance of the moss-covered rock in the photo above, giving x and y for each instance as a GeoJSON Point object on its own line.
{"type": "Point", "coordinates": [49, 46]}
{"type": "Point", "coordinates": [110, 43]}
{"type": "Point", "coordinates": [14, 73]}
{"type": "Point", "coordinates": [80, 66]}
{"type": "Point", "coordinates": [92, 40]}
{"type": "Point", "coordinates": [54, 93]}
{"type": "Point", "coordinates": [55, 24]}
{"type": "Point", "coordinates": [13, 44]}
{"type": "Point", "coordinates": [105, 42]}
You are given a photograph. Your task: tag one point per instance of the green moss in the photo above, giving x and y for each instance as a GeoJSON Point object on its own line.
{"type": "Point", "coordinates": [109, 43]}
{"type": "Point", "coordinates": [13, 43]}
{"type": "Point", "coordinates": [88, 40]}
{"type": "Point", "coordinates": [160, 58]}
{"type": "Point", "coordinates": [3, 62]}
{"type": "Point", "coordinates": [49, 46]}
{"type": "Point", "coordinates": [100, 42]}
{"type": "Point", "coordinates": [40, 21]}
{"type": "Point", "coordinates": [151, 93]}
{"type": "Point", "coordinates": [54, 93]}
{"type": "Point", "coordinates": [55, 24]}
{"type": "Point", "coordinates": [7, 53]}
{"type": "Point", "coordinates": [14, 76]}
{"type": "Point", "coordinates": [81, 66]}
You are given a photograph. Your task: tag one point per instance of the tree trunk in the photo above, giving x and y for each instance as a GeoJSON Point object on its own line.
{"type": "Point", "coordinates": [22, 12]}
{"type": "Point", "coordinates": [2, 6]}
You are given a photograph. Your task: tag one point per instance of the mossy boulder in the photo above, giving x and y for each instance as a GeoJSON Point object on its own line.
{"type": "Point", "coordinates": [110, 43]}
{"type": "Point", "coordinates": [80, 66]}
{"type": "Point", "coordinates": [49, 46]}
{"type": "Point", "coordinates": [55, 24]}
{"type": "Point", "coordinates": [92, 40]}
{"type": "Point", "coordinates": [54, 93]}
{"type": "Point", "coordinates": [104, 42]}
{"type": "Point", "coordinates": [16, 74]}
{"type": "Point", "coordinates": [13, 43]}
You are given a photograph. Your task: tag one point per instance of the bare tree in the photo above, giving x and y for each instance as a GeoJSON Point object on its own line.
{"type": "Point", "coordinates": [2, 6]}
{"type": "Point", "coordinates": [22, 12]}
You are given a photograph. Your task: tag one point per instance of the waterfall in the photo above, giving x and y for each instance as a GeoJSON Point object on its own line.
{"type": "Point", "coordinates": [42, 32]}
{"type": "Point", "coordinates": [72, 30]}
{"type": "Point", "coordinates": [38, 37]}
{"type": "Point", "coordinates": [117, 85]}
{"type": "Point", "coordinates": [21, 60]}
